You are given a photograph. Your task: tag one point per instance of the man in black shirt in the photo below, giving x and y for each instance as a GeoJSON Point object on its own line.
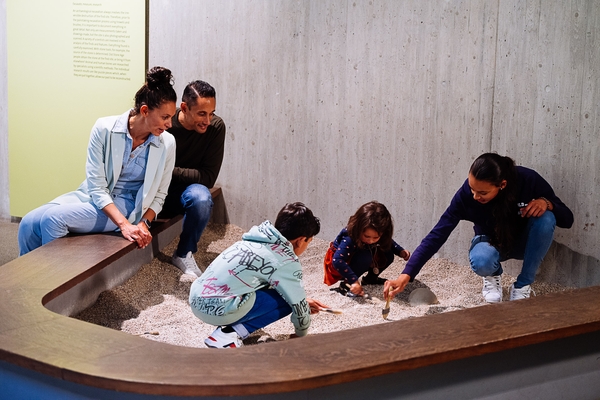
{"type": "Point", "coordinates": [200, 138]}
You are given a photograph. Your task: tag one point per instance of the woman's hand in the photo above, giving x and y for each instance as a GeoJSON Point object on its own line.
{"type": "Point", "coordinates": [316, 306]}
{"type": "Point", "coordinates": [536, 208]}
{"type": "Point", "coordinates": [136, 233]}
{"type": "Point", "coordinates": [405, 254]}
{"type": "Point", "coordinates": [133, 233]}
{"type": "Point", "coordinates": [393, 287]}
{"type": "Point", "coordinates": [357, 289]}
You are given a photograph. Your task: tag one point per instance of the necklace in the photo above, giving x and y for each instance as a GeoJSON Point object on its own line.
{"type": "Point", "coordinates": [374, 265]}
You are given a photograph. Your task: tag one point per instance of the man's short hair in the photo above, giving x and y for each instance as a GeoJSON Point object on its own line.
{"type": "Point", "coordinates": [296, 220]}
{"type": "Point", "coordinates": [196, 89]}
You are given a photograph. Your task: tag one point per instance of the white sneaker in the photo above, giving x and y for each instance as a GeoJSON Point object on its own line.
{"type": "Point", "coordinates": [522, 293]}
{"type": "Point", "coordinates": [221, 340]}
{"type": "Point", "coordinates": [492, 289]}
{"type": "Point", "coordinates": [187, 264]}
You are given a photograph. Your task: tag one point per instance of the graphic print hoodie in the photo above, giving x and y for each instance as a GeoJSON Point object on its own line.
{"type": "Point", "coordinates": [263, 258]}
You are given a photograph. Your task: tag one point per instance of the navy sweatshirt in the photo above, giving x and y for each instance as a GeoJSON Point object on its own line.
{"type": "Point", "coordinates": [530, 186]}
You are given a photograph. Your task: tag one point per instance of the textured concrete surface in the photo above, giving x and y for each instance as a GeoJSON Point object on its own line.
{"type": "Point", "coordinates": [9, 248]}
{"type": "Point", "coordinates": [335, 103]}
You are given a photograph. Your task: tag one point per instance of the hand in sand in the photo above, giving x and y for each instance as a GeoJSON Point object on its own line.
{"type": "Point", "coordinates": [393, 287]}
{"type": "Point", "coordinates": [316, 306]}
{"type": "Point", "coordinates": [357, 289]}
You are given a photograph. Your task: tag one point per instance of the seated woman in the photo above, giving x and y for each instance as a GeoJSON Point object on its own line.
{"type": "Point", "coordinates": [514, 212]}
{"type": "Point", "coordinates": [130, 160]}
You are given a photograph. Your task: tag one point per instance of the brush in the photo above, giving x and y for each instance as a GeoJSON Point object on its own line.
{"type": "Point", "coordinates": [386, 311]}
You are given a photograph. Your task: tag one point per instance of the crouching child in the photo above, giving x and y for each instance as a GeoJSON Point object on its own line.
{"type": "Point", "coordinates": [258, 280]}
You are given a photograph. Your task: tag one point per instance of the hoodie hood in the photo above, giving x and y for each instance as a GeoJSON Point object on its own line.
{"type": "Point", "coordinates": [266, 233]}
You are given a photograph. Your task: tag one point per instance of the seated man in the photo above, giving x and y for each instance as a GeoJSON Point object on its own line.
{"type": "Point", "coordinates": [258, 280]}
{"type": "Point", "coordinates": [200, 139]}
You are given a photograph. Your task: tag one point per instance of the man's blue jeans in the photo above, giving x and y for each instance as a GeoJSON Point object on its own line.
{"type": "Point", "coordinates": [268, 307]}
{"type": "Point", "coordinates": [531, 247]}
{"type": "Point", "coordinates": [197, 204]}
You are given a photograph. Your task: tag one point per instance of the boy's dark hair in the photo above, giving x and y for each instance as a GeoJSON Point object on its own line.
{"type": "Point", "coordinates": [296, 220]}
{"type": "Point", "coordinates": [372, 215]}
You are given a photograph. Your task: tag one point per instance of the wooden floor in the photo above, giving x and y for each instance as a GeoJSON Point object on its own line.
{"type": "Point", "coordinates": [33, 337]}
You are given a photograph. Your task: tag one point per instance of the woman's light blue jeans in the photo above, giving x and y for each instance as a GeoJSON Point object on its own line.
{"type": "Point", "coordinates": [197, 204]}
{"type": "Point", "coordinates": [268, 307]}
{"type": "Point", "coordinates": [531, 247]}
{"type": "Point", "coordinates": [52, 221]}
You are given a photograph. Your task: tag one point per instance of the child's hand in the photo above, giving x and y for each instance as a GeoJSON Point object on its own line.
{"type": "Point", "coordinates": [405, 254]}
{"type": "Point", "coordinates": [315, 306]}
{"type": "Point", "coordinates": [357, 289]}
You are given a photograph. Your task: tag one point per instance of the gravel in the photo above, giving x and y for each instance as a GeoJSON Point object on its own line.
{"type": "Point", "coordinates": [154, 303]}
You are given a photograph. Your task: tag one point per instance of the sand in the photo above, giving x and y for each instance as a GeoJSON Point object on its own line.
{"type": "Point", "coordinates": [154, 303]}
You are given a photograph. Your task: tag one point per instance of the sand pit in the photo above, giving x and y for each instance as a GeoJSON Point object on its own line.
{"type": "Point", "coordinates": [154, 303]}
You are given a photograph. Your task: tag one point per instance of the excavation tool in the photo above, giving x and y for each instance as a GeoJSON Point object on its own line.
{"type": "Point", "coordinates": [331, 310]}
{"type": "Point", "coordinates": [386, 311]}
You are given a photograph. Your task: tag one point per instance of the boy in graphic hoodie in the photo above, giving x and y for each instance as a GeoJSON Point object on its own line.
{"type": "Point", "coordinates": [258, 280]}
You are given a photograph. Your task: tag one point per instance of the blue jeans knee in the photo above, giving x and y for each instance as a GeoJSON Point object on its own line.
{"type": "Point", "coordinates": [483, 257]}
{"type": "Point", "coordinates": [197, 206]}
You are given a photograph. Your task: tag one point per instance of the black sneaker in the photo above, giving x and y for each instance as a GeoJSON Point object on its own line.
{"type": "Point", "coordinates": [343, 289]}
{"type": "Point", "coordinates": [372, 279]}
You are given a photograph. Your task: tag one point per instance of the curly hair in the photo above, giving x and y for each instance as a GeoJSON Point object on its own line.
{"type": "Point", "coordinates": [372, 215]}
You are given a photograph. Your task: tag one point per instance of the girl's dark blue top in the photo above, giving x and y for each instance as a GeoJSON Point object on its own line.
{"type": "Point", "coordinates": [530, 186]}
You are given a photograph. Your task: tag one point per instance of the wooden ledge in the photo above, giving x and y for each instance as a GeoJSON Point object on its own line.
{"type": "Point", "coordinates": [33, 337]}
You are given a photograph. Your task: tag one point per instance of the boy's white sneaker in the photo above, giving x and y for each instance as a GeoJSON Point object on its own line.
{"type": "Point", "coordinates": [518, 294]}
{"type": "Point", "coordinates": [187, 264]}
{"type": "Point", "coordinates": [492, 289]}
{"type": "Point", "coordinates": [221, 340]}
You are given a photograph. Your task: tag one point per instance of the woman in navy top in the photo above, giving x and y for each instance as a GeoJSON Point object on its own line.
{"type": "Point", "coordinates": [514, 212]}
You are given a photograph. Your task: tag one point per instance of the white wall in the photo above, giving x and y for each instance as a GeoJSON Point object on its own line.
{"type": "Point", "coordinates": [335, 103]}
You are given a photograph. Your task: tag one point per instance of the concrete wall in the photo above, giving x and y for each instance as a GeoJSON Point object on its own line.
{"type": "Point", "coordinates": [4, 203]}
{"type": "Point", "coordinates": [335, 103]}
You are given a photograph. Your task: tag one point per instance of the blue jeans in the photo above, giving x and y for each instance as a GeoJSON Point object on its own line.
{"type": "Point", "coordinates": [531, 247]}
{"type": "Point", "coordinates": [197, 204]}
{"type": "Point", "coordinates": [268, 307]}
{"type": "Point", "coordinates": [52, 221]}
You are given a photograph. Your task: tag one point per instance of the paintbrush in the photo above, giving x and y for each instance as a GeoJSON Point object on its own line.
{"type": "Point", "coordinates": [386, 311]}
{"type": "Point", "coordinates": [331, 310]}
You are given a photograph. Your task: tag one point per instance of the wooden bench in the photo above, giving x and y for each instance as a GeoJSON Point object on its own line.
{"type": "Point", "coordinates": [36, 338]}
{"type": "Point", "coordinates": [122, 260]}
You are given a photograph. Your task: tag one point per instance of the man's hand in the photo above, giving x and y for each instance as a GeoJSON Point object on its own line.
{"type": "Point", "coordinates": [392, 287]}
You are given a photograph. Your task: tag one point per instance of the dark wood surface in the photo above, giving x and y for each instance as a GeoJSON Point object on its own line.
{"type": "Point", "coordinates": [33, 337]}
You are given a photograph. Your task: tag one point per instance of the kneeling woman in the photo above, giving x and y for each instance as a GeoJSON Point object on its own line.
{"type": "Point", "coordinates": [514, 211]}
{"type": "Point", "coordinates": [130, 160]}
